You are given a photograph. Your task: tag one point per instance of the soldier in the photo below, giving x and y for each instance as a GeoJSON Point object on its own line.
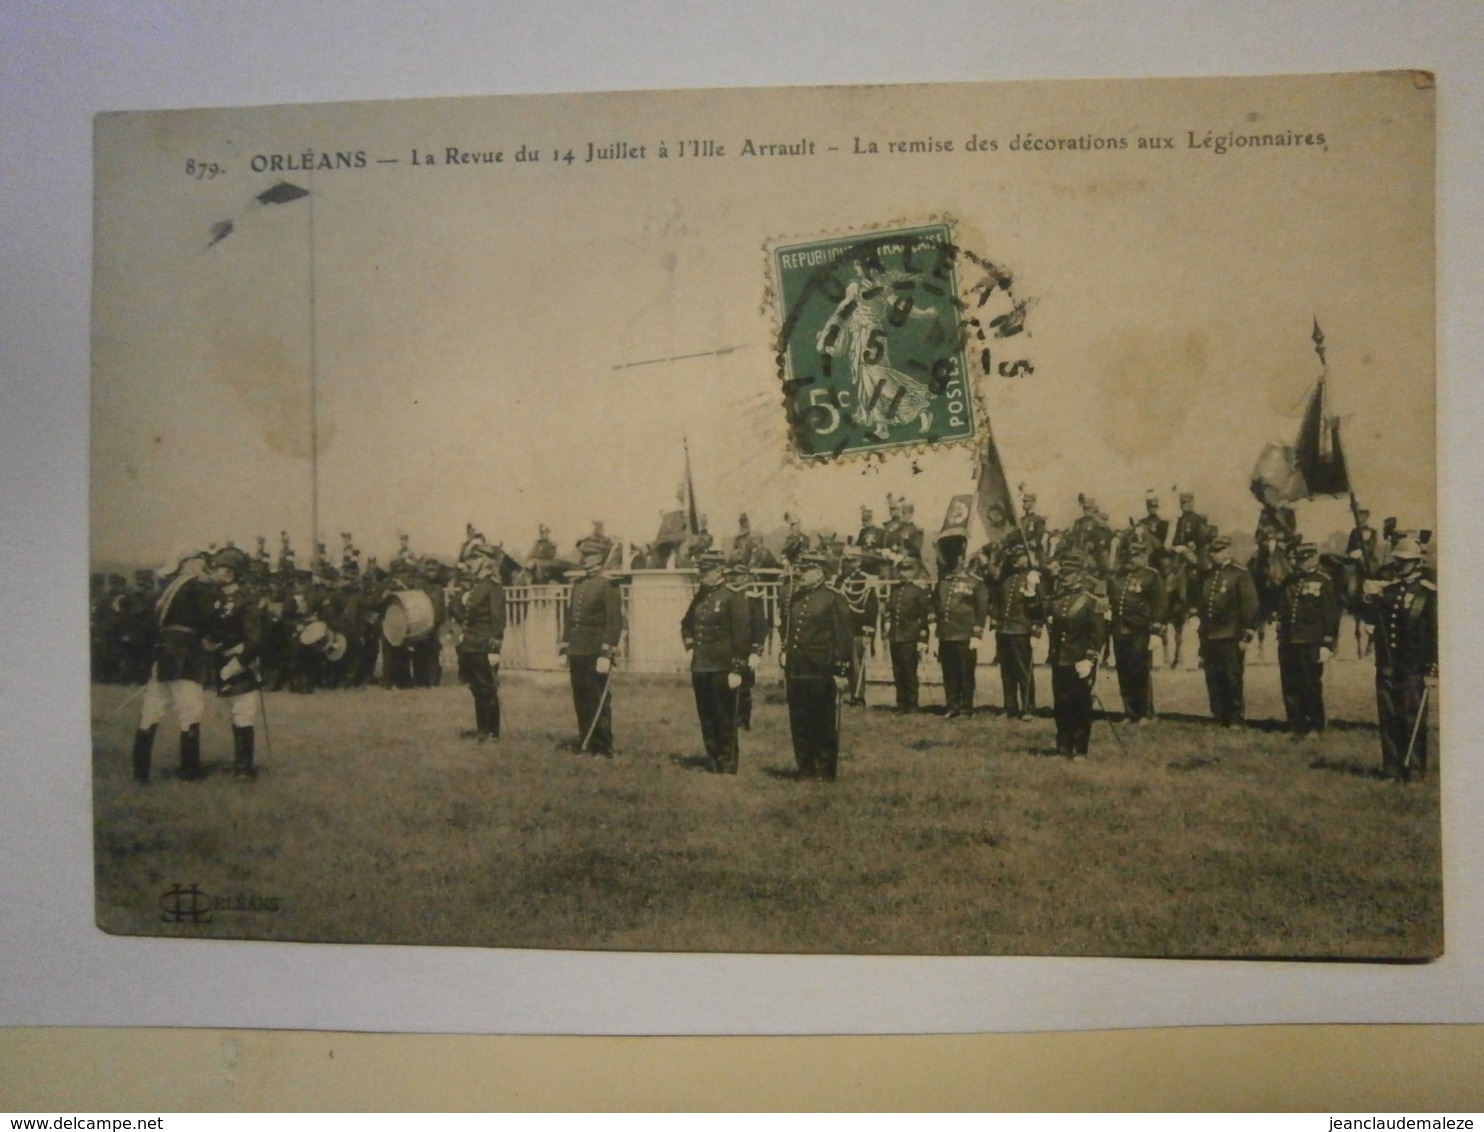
{"type": "Point", "coordinates": [1308, 627]}
{"type": "Point", "coordinates": [286, 563]}
{"type": "Point", "coordinates": [739, 578]}
{"type": "Point", "coordinates": [717, 632]}
{"type": "Point", "coordinates": [1019, 611]}
{"type": "Point", "coordinates": [856, 586]}
{"type": "Point", "coordinates": [796, 543]}
{"type": "Point", "coordinates": [1364, 544]}
{"type": "Point", "coordinates": [962, 609]}
{"type": "Point", "coordinates": [1404, 611]}
{"type": "Point", "coordinates": [1192, 533]}
{"type": "Point", "coordinates": [909, 612]}
{"type": "Point", "coordinates": [1138, 600]}
{"type": "Point", "coordinates": [1154, 530]}
{"type": "Point", "coordinates": [427, 652]}
{"type": "Point", "coordinates": [816, 666]}
{"type": "Point", "coordinates": [183, 613]}
{"type": "Point", "coordinates": [237, 633]}
{"type": "Point", "coordinates": [744, 540]}
{"type": "Point", "coordinates": [590, 642]}
{"type": "Point", "coordinates": [1033, 528]}
{"type": "Point", "coordinates": [906, 541]}
{"type": "Point", "coordinates": [869, 537]}
{"type": "Point", "coordinates": [1077, 628]}
{"type": "Point", "coordinates": [1228, 611]}
{"type": "Point", "coordinates": [481, 614]}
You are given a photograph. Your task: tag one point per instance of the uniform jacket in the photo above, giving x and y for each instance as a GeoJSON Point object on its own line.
{"type": "Point", "coordinates": [1138, 602]}
{"type": "Point", "coordinates": [860, 595]}
{"type": "Point", "coordinates": [594, 617]}
{"type": "Point", "coordinates": [1309, 612]}
{"type": "Point", "coordinates": [1017, 613]}
{"type": "Point", "coordinates": [963, 606]}
{"type": "Point", "coordinates": [718, 627]}
{"type": "Point", "coordinates": [483, 614]}
{"type": "Point", "coordinates": [1405, 615]}
{"type": "Point", "coordinates": [1228, 606]}
{"type": "Point", "coordinates": [818, 636]}
{"type": "Point", "coordinates": [1192, 532]}
{"type": "Point", "coordinates": [1077, 627]}
{"type": "Point", "coordinates": [184, 614]}
{"type": "Point", "coordinates": [909, 611]}
{"type": "Point", "coordinates": [237, 628]}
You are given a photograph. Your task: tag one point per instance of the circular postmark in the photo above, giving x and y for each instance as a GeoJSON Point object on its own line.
{"type": "Point", "coordinates": [881, 335]}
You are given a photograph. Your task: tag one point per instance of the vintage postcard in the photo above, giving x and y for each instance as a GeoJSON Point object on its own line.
{"type": "Point", "coordinates": [975, 519]}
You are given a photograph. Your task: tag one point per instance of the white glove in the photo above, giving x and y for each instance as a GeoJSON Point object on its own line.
{"type": "Point", "coordinates": [754, 660]}
{"type": "Point", "coordinates": [1155, 641]}
{"type": "Point", "coordinates": [1372, 587]}
{"type": "Point", "coordinates": [1083, 668]}
{"type": "Point", "coordinates": [734, 680]}
{"type": "Point", "coordinates": [841, 683]}
{"type": "Point", "coordinates": [782, 659]}
{"type": "Point", "coordinates": [231, 668]}
{"type": "Point", "coordinates": [603, 666]}
{"type": "Point", "coordinates": [1325, 653]}
{"type": "Point", "coordinates": [1032, 583]}
{"type": "Point", "coordinates": [494, 660]}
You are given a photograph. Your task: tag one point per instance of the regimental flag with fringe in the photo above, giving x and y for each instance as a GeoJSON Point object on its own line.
{"type": "Point", "coordinates": [1315, 463]}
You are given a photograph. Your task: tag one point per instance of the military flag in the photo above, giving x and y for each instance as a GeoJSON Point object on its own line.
{"type": "Point", "coordinates": [1315, 463]}
{"type": "Point", "coordinates": [680, 524]}
{"type": "Point", "coordinates": [992, 499]}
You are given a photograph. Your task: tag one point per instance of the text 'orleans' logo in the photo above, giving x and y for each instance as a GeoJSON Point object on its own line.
{"type": "Point", "coordinates": [190, 904]}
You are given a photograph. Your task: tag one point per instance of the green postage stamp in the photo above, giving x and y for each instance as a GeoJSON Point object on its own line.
{"type": "Point", "coordinates": [874, 342]}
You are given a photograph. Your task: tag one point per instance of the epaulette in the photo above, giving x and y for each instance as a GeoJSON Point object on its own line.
{"type": "Point", "coordinates": [1429, 585]}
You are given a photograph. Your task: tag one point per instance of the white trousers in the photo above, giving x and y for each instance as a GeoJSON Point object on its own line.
{"type": "Point", "coordinates": [184, 696]}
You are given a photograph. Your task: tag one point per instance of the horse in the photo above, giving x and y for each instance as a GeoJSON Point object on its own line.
{"type": "Point", "coordinates": [1271, 568]}
{"type": "Point", "coordinates": [1348, 576]}
{"type": "Point", "coordinates": [1179, 575]}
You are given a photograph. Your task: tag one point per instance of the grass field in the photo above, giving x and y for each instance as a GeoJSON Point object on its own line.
{"type": "Point", "coordinates": [374, 821]}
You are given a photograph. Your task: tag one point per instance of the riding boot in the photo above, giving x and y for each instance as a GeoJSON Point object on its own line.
{"type": "Point", "coordinates": [190, 753]}
{"type": "Point", "coordinates": [144, 742]}
{"type": "Point", "coordinates": [242, 753]}
{"type": "Point", "coordinates": [481, 720]}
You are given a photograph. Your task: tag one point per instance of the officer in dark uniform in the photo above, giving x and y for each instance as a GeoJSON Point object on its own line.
{"type": "Point", "coordinates": [717, 631]}
{"type": "Point", "coordinates": [962, 609]}
{"type": "Point", "coordinates": [1228, 610]}
{"type": "Point", "coordinates": [739, 578]}
{"type": "Point", "coordinates": [1138, 605]}
{"type": "Point", "coordinates": [1019, 612]}
{"type": "Point", "coordinates": [1308, 627]}
{"type": "Point", "coordinates": [869, 538]}
{"type": "Point", "coordinates": [1404, 611]}
{"type": "Point", "coordinates": [1364, 544]}
{"type": "Point", "coordinates": [1077, 627]}
{"type": "Point", "coordinates": [427, 652]}
{"type": "Point", "coordinates": [817, 642]}
{"type": "Point", "coordinates": [590, 642]}
{"type": "Point", "coordinates": [859, 592]}
{"type": "Point", "coordinates": [1033, 528]}
{"type": "Point", "coordinates": [1154, 530]}
{"type": "Point", "coordinates": [482, 614]}
{"type": "Point", "coordinates": [795, 543]}
{"type": "Point", "coordinates": [183, 614]}
{"type": "Point", "coordinates": [744, 541]}
{"type": "Point", "coordinates": [1192, 534]}
{"type": "Point", "coordinates": [909, 612]}
{"type": "Point", "coordinates": [906, 540]}
{"type": "Point", "coordinates": [237, 632]}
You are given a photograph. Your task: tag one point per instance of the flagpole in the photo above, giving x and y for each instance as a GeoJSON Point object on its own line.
{"type": "Point", "coordinates": [1365, 552]}
{"type": "Point", "coordinates": [313, 392]}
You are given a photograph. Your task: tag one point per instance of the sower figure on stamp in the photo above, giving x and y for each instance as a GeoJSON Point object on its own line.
{"type": "Point", "coordinates": [1138, 600]}
{"type": "Point", "coordinates": [1308, 626]}
{"type": "Point", "coordinates": [183, 613]}
{"type": "Point", "coordinates": [739, 578]}
{"type": "Point", "coordinates": [1229, 613]}
{"type": "Point", "coordinates": [860, 594]}
{"type": "Point", "coordinates": [817, 641]}
{"type": "Point", "coordinates": [1018, 616]}
{"type": "Point", "coordinates": [1078, 629]}
{"type": "Point", "coordinates": [909, 612]}
{"type": "Point", "coordinates": [1404, 611]}
{"type": "Point", "coordinates": [717, 632]}
{"type": "Point", "coordinates": [237, 632]}
{"type": "Point", "coordinates": [483, 616]}
{"type": "Point", "coordinates": [594, 627]}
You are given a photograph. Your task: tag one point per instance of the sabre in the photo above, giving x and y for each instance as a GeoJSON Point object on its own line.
{"type": "Point", "coordinates": [1099, 702]}
{"type": "Point", "coordinates": [134, 695]}
{"type": "Point", "coordinates": [598, 711]}
{"type": "Point", "coordinates": [1411, 759]}
{"type": "Point", "coordinates": [263, 711]}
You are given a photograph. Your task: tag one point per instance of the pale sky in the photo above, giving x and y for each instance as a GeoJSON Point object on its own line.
{"type": "Point", "coordinates": [475, 327]}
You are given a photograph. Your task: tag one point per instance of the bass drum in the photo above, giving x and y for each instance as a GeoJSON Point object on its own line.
{"type": "Point", "coordinates": [408, 618]}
